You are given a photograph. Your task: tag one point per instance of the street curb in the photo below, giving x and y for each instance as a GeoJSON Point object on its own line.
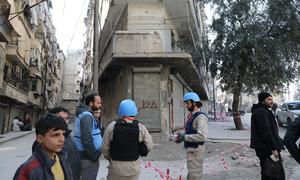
{"type": "Point", "coordinates": [16, 137]}
{"type": "Point", "coordinates": [228, 139]}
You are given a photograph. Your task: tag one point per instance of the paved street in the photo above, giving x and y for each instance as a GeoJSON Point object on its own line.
{"type": "Point", "coordinates": [13, 153]}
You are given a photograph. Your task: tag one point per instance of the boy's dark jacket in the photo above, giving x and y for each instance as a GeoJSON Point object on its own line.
{"type": "Point", "coordinates": [38, 167]}
{"type": "Point", "coordinates": [71, 153]}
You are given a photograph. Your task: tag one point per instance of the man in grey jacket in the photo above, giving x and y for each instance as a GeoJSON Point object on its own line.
{"type": "Point", "coordinates": [87, 136]}
{"type": "Point", "coordinates": [194, 136]}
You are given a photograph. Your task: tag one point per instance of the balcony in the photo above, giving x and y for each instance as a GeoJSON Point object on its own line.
{"type": "Point", "coordinates": [34, 98]}
{"type": "Point", "coordinates": [13, 55]}
{"type": "Point", "coordinates": [129, 42]}
{"type": "Point", "coordinates": [13, 92]}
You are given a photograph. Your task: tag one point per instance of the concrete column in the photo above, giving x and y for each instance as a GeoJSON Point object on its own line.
{"type": "Point", "coordinates": [130, 82]}
{"type": "Point", "coordinates": [164, 108]}
{"type": "Point", "coordinates": [2, 63]}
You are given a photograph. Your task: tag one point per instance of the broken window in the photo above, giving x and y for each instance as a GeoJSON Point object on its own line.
{"type": "Point", "coordinates": [7, 72]}
{"type": "Point", "coordinates": [34, 85]}
{"type": "Point", "coordinates": [58, 64]}
{"type": "Point", "coordinates": [27, 13]}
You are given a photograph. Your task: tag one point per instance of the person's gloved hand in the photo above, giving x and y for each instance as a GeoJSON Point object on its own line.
{"type": "Point", "coordinates": [179, 137]}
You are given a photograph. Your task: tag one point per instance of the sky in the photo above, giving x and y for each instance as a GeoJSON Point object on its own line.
{"type": "Point", "coordinates": [68, 18]}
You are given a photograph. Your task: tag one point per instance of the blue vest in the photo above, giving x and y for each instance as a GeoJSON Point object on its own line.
{"type": "Point", "coordinates": [189, 129]}
{"type": "Point", "coordinates": [96, 133]}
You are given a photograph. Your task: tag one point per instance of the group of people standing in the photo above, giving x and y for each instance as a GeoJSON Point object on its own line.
{"type": "Point", "coordinates": [56, 154]}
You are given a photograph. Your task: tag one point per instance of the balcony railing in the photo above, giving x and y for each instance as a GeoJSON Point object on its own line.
{"type": "Point", "coordinates": [13, 92]}
{"type": "Point", "coordinates": [17, 82]}
{"type": "Point", "coordinates": [130, 42]}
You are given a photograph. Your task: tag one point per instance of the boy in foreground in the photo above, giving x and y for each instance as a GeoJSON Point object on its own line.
{"type": "Point", "coordinates": [47, 162]}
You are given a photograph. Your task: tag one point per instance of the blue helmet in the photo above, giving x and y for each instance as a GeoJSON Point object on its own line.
{"type": "Point", "coordinates": [191, 96]}
{"type": "Point", "coordinates": [127, 108]}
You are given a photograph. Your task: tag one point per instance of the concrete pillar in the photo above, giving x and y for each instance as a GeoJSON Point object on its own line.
{"type": "Point", "coordinates": [130, 82]}
{"type": "Point", "coordinates": [164, 106]}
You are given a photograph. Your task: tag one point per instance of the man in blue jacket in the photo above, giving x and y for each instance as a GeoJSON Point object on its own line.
{"type": "Point", "coordinates": [87, 136]}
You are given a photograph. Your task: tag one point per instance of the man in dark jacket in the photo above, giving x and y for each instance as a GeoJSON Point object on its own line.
{"type": "Point", "coordinates": [264, 132]}
{"type": "Point", "coordinates": [69, 148]}
{"type": "Point", "coordinates": [48, 162]}
{"type": "Point", "coordinates": [291, 137]}
{"type": "Point", "coordinates": [87, 136]}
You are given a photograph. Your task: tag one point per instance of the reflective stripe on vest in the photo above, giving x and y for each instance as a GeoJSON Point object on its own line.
{"type": "Point", "coordinates": [96, 133]}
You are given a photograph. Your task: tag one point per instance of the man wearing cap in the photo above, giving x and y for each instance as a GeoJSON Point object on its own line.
{"type": "Point", "coordinates": [194, 136]}
{"type": "Point", "coordinates": [264, 133]}
{"type": "Point", "coordinates": [124, 141]}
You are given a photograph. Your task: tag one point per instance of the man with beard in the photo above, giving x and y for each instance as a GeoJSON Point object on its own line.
{"type": "Point", "coordinates": [194, 136]}
{"type": "Point", "coordinates": [264, 136]}
{"type": "Point", "coordinates": [87, 136]}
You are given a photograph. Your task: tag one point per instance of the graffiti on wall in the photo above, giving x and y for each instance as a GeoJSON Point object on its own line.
{"type": "Point", "coordinates": [145, 104]}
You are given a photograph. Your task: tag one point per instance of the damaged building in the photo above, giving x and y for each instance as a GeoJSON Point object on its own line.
{"type": "Point", "coordinates": [142, 57]}
{"type": "Point", "coordinates": [31, 63]}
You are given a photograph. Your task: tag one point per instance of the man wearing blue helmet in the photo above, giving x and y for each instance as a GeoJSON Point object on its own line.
{"type": "Point", "coordinates": [124, 141]}
{"type": "Point", "coordinates": [194, 136]}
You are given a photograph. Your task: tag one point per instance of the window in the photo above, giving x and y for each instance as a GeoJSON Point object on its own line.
{"type": "Point", "coordinates": [293, 106]}
{"type": "Point", "coordinates": [33, 62]}
{"type": "Point", "coordinates": [7, 72]}
{"type": "Point", "coordinates": [58, 64]}
{"type": "Point", "coordinates": [77, 91]}
{"type": "Point", "coordinates": [27, 13]}
{"type": "Point", "coordinates": [34, 85]}
{"type": "Point", "coordinates": [283, 107]}
{"type": "Point", "coordinates": [79, 63]}
{"type": "Point", "coordinates": [78, 72]}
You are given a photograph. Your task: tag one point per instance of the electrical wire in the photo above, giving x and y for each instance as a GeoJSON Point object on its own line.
{"type": "Point", "coordinates": [20, 12]}
{"type": "Point", "coordinates": [77, 23]}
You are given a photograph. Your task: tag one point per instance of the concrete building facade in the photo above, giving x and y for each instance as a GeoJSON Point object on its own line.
{"type": "Point", "coordinates": [141, 58]}
{"type": "Point", "coordinates": [29, 72]}
{"type": "Point", "coordinates": [72, 79]}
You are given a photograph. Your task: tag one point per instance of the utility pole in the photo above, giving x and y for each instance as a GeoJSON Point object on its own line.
{"type": "Point", "coordinates": [96, 45]}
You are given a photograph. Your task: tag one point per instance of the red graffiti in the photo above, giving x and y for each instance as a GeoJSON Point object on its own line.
{"type": "Point", "coordinates": [148, 105]}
